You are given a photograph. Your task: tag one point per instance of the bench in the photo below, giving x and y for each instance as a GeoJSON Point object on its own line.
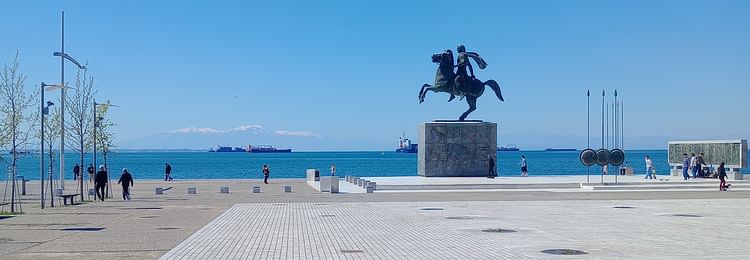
{"type": "Point", "coordinates": [66, 196]}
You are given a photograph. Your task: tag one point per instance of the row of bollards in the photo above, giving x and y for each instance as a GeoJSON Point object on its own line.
{"type": "Point", "coordinates": [222, 189]}
{"type": "Point", "coordinates": [368, 185]}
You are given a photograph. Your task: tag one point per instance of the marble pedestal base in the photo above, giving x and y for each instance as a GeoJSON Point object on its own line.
{"type": "Point", "coordinates": [456, 149]}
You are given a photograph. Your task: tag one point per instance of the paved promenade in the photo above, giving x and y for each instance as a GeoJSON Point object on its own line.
{"type": "Point", "coordinates": [664, 224]}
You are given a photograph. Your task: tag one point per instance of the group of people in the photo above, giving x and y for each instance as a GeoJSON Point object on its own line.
{"type": "Point", "coordinates": [77, 172]}
{"type": "Point", "coordinates": [101, 178]}
{"type": "Point", "coordinates": [693, 164]}
{"type": "Point", "coordinates": [493, 173]}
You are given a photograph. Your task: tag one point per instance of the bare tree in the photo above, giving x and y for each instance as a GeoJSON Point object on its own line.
{"type": "Point", "coordinates": [18, 118]}
{"type": "Point", "coordinates": [80, 123]}
{"type": "Point", "coordinates": [52, 132]}
{"type": "Point", "coordinates": [104, 137]}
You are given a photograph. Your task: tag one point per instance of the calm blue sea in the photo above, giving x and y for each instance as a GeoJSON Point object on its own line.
{"type": "Point", "coordinates": [205, 165]}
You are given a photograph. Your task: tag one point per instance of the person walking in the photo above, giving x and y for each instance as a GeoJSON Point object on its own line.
{"type": "Point", "coordinates": [266, 173]}
{"type": "Point", "coordinates": [100, 182]}
{"type": "Point", "coordinates": [723, 186]}
{"type": "Point", "coordinates": [127, 181]}
{"type": "Point", "coordinates": [333, 169]}
{"type": "Point", "coordinates": [491, 164]}
{"type": "Point", "coordinates": [693, 161]}
{"type": "Point", "coordinates": [76, 172]}
{"type": "Point", "coordinates": [90, 170]}
{"type": "Point", "coordinates": [685, 166]}
{"type": "Point", "coordinates": [167, 172]}
{"type": "Point", "coordinates": [524, 167]}
{"type": "Point", "coordinates": [649, 168]}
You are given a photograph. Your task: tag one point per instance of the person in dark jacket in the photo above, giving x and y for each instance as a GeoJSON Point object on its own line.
{"type": "Point", "coordinates": [167, 172]}
{"type": "Point", "coordinates": [266, 173]}
{"type": "Point", "coordinates": [723, 186]}
{"type": "Point", "coordinates": [76, 172]}
{"type": "Point", "coordinates": [100, 182]}
{"type": "Point", "coordinates": [126, 180]}
{"type": "Point", "coordinates": [90, 170]}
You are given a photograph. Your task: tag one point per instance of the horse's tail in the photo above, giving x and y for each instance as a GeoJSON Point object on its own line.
{"type": "Point", "coordinates": [496, 88]}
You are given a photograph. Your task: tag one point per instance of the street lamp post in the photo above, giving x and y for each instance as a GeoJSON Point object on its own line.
{"type": "Point", "coordinates": [44, 111]}
{"type": "Point", "coordinates": [63, 56]}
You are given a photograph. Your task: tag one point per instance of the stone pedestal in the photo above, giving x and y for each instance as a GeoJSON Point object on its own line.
{"type": "Point", "coordinates": [325, 183]}
{"type": "Point", "coordinates": [456, 149]}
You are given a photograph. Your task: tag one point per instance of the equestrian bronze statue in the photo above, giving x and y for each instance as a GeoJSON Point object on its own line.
{"type": "Point", "coordinates": [460, 83]}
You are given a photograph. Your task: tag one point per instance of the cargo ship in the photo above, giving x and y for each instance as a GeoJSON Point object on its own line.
{"type": "Point", "coordinates": [508, 148]}
{"type": "Point", "coordinates": [405, 145]}
{"type": "Point", "coordinates": [266, 149]}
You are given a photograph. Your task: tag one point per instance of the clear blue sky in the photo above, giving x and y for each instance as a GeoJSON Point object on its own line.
{"type": "Point", "coordinates": [352, 69]}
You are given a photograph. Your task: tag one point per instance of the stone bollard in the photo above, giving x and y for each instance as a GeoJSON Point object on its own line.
{"type": "Point", "coordinates": [355, 180]}
{"type": "Point", "coordinates": [370, 189]}
{"type": "Point", "coordinates": [92, 192]}
{"type": "Point", "coordinates": [256, 189]}
{"type": "Point", "coordinates": [361, 182]}
{"type": "Point", "coordinates": [159, 191]}
{"type": "Point", "coordinates": [366, 184]}
{"type": "Point", "coordinates": [287, 188]}
{"type": "Point", "coordinates": [224, 189]}
{"type": "Point", "coordinates": [325, 183]}
{"type": "Point", "coordinates": [374, 185]}
{"type": "Point", "coordinates": [334, 184]}
{"type": "Point", "coordinates": [346, 178]}
{"type": "Point", "coordinates": [191, 190]}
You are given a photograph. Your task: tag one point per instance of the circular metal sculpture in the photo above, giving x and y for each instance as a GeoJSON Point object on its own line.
{"type": "Point", "coordinates": [616, 157]}
{"type": "Point", "coordinates": [588, 157]}
{"type": "Point", "coordinates": [602, 157]}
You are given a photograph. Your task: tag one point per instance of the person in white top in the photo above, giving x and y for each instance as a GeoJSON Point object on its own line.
{"type": "Point", "coordinates": [649, 169]}
{"type": "Point", "coordinates": [693, 165]}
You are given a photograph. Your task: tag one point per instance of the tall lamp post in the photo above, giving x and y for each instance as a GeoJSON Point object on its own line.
{"type": "Point", "coordinates": [63, 56]}
{"type": "Point", "coordinates": [96, 124]}
{"type": "Point", "coordinates": [44, 107]}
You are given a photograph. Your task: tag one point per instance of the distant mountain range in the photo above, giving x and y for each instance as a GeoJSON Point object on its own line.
{"type": "Point", "coordinates": [242, 136]}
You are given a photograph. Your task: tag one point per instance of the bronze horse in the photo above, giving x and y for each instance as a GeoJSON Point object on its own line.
{"type": "Point", "coordinates": [444, 82]}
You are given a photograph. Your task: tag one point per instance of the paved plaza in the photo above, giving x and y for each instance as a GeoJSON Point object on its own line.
{"type": "Point", "coordinates": [657, 229]}
{"type": "Point", "coordinates": [307, 224]}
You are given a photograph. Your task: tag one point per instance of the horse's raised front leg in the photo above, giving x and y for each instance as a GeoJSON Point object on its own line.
{"type": "Point", "coordinates": [423, 92]}
{"type": "Point", "coordinates": [472, 101]}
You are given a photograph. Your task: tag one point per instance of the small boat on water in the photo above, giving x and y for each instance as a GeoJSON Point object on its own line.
{"type": "Point", "coordinates": [508, 148]}
{"type": "Point", "coordinates": [266, 149]}
{"type": "Point", "coordinates": [560, 149]}
{"type": "Point", "coordinates": [405, 145]}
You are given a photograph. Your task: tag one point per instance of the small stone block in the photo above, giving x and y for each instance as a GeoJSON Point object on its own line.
{"type": "Point", "coordinates": [91, 192]}
{"type": "Point", "coordinates": [361, 182]}
{"type": "Point", "coordinates": [191, 190]}
{"type": "Point", "coordinates": [370, 189]}
{"type": "Point", "coordinates": [355, 180]}
{"type": "Point", "coordinates": [287, 188]}
{"type": "Point", "coordinates": [159, 191]}
{"type": "Point", "coordinates": [224, 189]}
{"type": "Point", "coordinates": [256, 189]}
{"type": "Point", "coordinates": [374, 185]}
{"type": "Point", "coordinates": [366, 184]}
{"type": "Point", "coordinates": [334, 185]}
